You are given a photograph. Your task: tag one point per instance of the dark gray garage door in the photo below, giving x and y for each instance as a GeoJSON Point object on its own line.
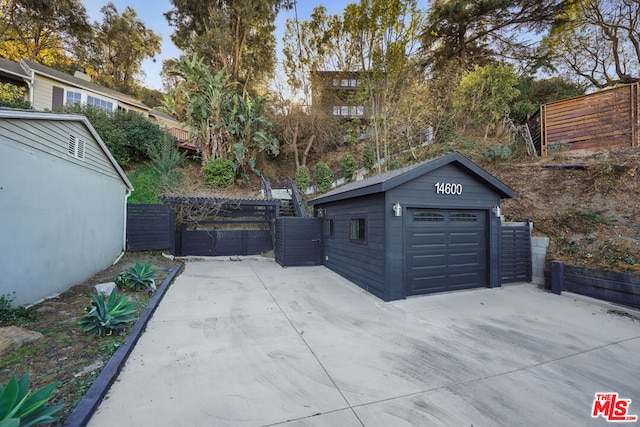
{"type": "Point", "coordinates": [444, 250]}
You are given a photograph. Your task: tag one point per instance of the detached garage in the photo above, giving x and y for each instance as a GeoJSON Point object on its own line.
{"type": "Point", "coordinates": [429, 227]}
{"type": "Point", "coordinates": [62, 203]}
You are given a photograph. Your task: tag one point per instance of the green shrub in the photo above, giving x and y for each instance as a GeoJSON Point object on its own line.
{"type": "Point", "coordinates": [496, 153]}
{"type": "Point", "coordinates": [127, 134]}
{"type": "Point", "coordinates": [324, 177]}
{"type": "Point", "coordinates": [303, 179]}
{"type": "Point", "coordinates": [21, 408]}
{"type": "Point", "coordinates": [140, 277]}
{"type": "Point", "coordinates": [219, 173]}
{"type": "Point", "coordinates": [108, 314]}
{"type": "Point", "coordinates": [368, 157]}
{"type": "Point", "coordinates": [10, 314]}
{"type": "Point", "coordinates": [348, 166]}
{"type": "Point", "coordinates": [146, 184]}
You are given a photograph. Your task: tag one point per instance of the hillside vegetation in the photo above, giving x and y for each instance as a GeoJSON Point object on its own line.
{"type": "Point", "coordinates": [591, 215]}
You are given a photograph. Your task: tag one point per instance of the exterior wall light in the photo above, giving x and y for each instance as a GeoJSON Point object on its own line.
{"type": "Point", "coordinates": [397, 209]}
{"type": "Point", "coordinates": [496, 211]}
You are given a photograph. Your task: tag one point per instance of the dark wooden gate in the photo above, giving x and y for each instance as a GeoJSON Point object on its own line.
{"type": "Point", "coordinates": [298, 241]}
{"type": "Point", "coordinates": [221, 227]}
{"type": "Point", "coordinates": [515, 256]}
{"type": "Point", "coordinates": [225, 242]}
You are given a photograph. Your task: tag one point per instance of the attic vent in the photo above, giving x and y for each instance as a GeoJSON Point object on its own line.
{"type": "Point", "coordinates": [76, 147]}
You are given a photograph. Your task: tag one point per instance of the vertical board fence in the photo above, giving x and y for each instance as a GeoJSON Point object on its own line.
{"type": "Point", "coordinates": [298, 241]}
{"type": "Point", "coordinates": [515, 257]}
{"type": "Point", "coordinates": [149, 227]}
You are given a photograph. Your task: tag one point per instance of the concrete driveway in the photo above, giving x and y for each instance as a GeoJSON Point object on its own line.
{"type": "Point", "coordinates": [252, 344]}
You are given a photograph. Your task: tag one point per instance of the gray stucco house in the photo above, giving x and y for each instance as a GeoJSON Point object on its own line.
{"type": "Point", "coordinates": [62, 203]}
{"type": "Point", "coordinates": [430, 227]}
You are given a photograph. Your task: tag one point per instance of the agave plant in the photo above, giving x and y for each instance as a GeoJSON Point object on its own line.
{"type": "Point", "coordinates": [140, 277]}
{"type": "Point", "coordinates": [21, 408]}
{"type": "Point", "coordinates": [107, 314]}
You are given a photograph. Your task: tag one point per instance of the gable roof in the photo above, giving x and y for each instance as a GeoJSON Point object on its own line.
{"type": "Point", "coordinates": [11, 113]}
{"type": "Point", "coordinates": [13, 69]}
{"type": "Point", "coordinates": [78, 82]}
{"type": "Point", "coordinates": [389, 180]}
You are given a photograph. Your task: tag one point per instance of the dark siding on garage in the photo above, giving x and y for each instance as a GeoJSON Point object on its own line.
{"type": "Point", "coordinates": [379, 266]}
{"type": "Point", "coordinates": [361, 263]}
{"type": "Point", "coordinates": [421, 192]}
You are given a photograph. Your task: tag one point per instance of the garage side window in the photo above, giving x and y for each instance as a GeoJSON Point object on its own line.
{"type": "Point", "coordinates": [357, 230]}
{"type": "Point", "coordinates": [328, 227]}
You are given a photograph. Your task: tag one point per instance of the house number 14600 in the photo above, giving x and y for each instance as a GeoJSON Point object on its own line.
{"type": "Point", "coordinates": [448, 188]}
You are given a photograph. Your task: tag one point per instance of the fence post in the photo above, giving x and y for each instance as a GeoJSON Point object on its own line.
{"type": "Point", "coordinates": [557, 277]}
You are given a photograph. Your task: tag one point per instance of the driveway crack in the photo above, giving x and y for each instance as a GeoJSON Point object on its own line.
{"type": "Point", "coordinates": [300, 333]}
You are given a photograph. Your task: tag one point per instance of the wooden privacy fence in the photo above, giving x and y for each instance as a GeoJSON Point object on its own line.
{"type": "Point", "coordinates": [598, 120]}
{"type": "Point", "coordinates": [515, 255]}
{"type": "Point", "coordinates": [298, 241]}
{"type": "Point", "coordinates": [149, 227]}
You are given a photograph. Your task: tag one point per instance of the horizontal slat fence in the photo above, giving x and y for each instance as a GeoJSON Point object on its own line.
{"type": "Point", "coordinates": [515, 256]}
{"type": "Point", "coordinates": [598, 120]}
{"type": "Point", "coordinates": [149, 227]}
{"type": "Point", "coordinates": [617, 287]}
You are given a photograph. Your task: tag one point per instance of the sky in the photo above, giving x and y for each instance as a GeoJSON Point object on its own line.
{"type": "Point", "coordinates": [151, 13]}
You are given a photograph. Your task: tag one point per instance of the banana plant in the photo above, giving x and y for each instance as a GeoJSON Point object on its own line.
{"type": "Point", "coordinates": [21, 408]}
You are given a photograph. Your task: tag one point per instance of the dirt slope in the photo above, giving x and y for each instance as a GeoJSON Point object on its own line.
{"type": "Point", "coordinates": [591, 215]}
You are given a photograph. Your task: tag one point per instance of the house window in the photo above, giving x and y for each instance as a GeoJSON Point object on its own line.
{"type": "Point", "coordinates": [353, 82]}
{"type": "Point", "coordinates": [328, 227]}
{"type": "Point", "coordinates": [100, 103]}
{"type": "Point", "coordinates": [73, 98]}
{"type": "Point", "coordinates": [357, 230]}
{"type": "Point", "coordinates": [348, 111]}
{"type": "Point", "coordinates": [76, 147]}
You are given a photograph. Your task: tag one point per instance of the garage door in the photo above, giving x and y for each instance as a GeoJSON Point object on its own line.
{"type": "Point", "coordinates": [445, 250]}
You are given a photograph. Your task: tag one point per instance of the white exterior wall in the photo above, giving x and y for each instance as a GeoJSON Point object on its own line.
{"type": "Point", "coordinates": [61, 219]}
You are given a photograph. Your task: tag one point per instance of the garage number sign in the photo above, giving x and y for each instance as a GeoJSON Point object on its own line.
{"type": "Point", "coordinates": [448, 188]}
